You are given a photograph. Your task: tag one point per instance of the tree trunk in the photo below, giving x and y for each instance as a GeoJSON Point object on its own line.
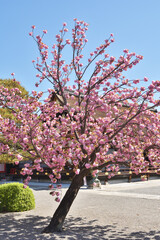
{"type": "Point", "coordinates": [64, 206]}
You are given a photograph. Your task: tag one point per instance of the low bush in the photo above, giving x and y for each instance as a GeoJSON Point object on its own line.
{"type": "Point", "coordinates": [15, 198]}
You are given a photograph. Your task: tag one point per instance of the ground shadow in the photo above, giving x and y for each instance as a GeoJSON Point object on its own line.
{"type": "Point", "coordinates": [30, 227]}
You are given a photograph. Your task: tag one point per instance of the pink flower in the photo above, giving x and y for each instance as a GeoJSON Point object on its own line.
{"type": "Point", "coordinates": [25, 140]}
{"type": "Point", "coordinates": [68, 41]}
{"type": "Point", "coordinates": [51, 186]}
{"type": "Point", "coordinates": [52, 193]}
{"type": "Point", "coordinates": [12, 74]}
{"type": "Point", "coordinates": [106, 55]}
{"type": "Point", "coordinates": [145, 79]}
{"type": "Point", "coordinates": [77, 171]}
{"type": "Point", "coordinates": [87, 165]}
{"type": "Point", "coordinates": [33, 26]}
{"type": "Point", "coordinates": [58, 176]}
{"type": "Point", "coordinates": [142, 88]}
{"type": "Point", "coordinates": [19, 157]}
{"type": "Point", "coordinates": [57, 194]}
{"type": "Point", "coordinates": [139, 57]}
{"type": "Point", "coordinates": [51, 176]}
{"type": "Point", "coordinates": [136, 81]}
{"type": "Point", "coordinates": [16, 162]}
{"type": "Point", "coordinates": [44, 31]}
{"type": "Point", "coordinates": [30, 33]}
{"type": "Point", "coordinates": [125, 50]}
{"type": "Point", "coordinates": [54, 180]}
{"type": "Point", "coordinates": [57, 199]}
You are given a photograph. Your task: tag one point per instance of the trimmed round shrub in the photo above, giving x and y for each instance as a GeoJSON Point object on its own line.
{"type": "Point", "coordinates": [15, 198]}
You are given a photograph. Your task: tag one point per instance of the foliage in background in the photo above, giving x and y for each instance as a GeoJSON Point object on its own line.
{"type": "Point", "coordinates": [7, 113]}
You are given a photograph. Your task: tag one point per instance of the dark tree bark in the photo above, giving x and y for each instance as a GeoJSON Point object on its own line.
{"type": "Point", "coordinates": [60, 214]}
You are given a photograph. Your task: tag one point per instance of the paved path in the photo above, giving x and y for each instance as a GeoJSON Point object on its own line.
{"type": "Point", "coordinates": [145, 190]}
{"type": "Point", "coordinates": [116, 211]}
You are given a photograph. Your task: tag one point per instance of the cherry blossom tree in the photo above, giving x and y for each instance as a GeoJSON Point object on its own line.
{"type": "Point", "coordinates": [82, 119]}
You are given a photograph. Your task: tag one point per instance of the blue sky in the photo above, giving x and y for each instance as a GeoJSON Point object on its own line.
{"type": "Point", "coordinates": [135, 24]}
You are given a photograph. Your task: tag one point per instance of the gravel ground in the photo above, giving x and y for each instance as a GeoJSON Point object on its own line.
{"type": "Point", "coordinates": [116, 211]}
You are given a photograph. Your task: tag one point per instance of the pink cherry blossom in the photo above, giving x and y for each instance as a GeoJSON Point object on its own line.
{"type": "Point", "coordinates": [44, 31]}
{"type": "Point", "coordinates": [77, 171]}
{"type": "Point", "coordinates": [145, 79]}
{"type": "Point", "coordinates": [57, 199]}
{"type": "Point", "coordinates": [19, 157]}
{"type": "Point", "coordinates": [16, 162]}
{"type": "Point", "coordinates": [87, 165]}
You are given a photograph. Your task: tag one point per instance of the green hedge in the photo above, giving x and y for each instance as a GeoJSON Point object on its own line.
{"type": "Point", "coordinates": [15, 198]}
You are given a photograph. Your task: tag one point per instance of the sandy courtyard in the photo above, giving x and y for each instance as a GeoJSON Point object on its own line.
{"type": "Point", "coordinates": [117, 211]}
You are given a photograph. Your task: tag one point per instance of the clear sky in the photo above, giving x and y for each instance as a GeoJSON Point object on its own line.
{"type": "Point", "coordinates": [135, 24]}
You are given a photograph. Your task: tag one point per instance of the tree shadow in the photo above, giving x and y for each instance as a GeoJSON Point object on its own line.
{"type": "Point", "coordinates": [30, 227]}
{"type": "Point", "coordinates": [21, 229]}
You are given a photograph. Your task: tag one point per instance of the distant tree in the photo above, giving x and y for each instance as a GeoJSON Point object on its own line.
{"type": "Point", "coordinates": [76, 126]}
{"type": "Point", "coordinates": [7, 113]}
